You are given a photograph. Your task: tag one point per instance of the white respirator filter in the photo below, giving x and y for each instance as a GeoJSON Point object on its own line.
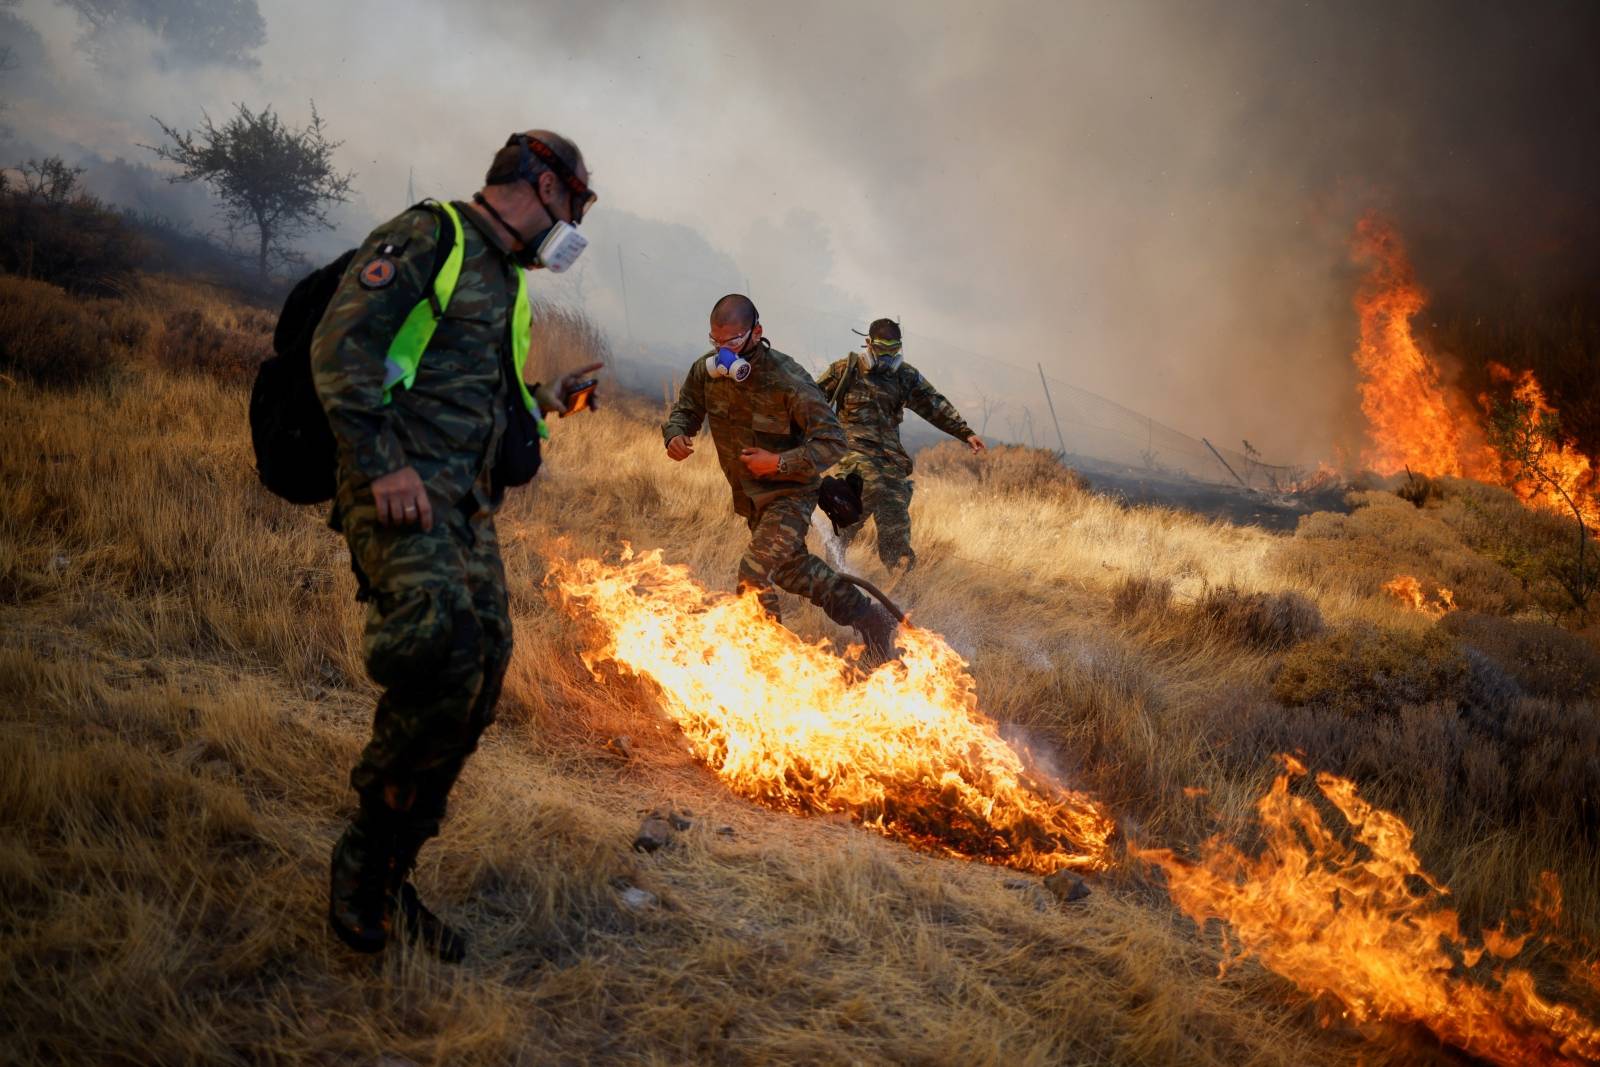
{"type": "Point", "coordinates": [561, 247]}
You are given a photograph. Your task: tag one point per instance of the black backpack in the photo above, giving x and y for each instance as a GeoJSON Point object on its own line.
{"type": "Point", "coordinates": [296, 456]}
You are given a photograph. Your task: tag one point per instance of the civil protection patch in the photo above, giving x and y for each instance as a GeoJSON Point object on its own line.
{"type": "Point", "coordinates": [377, 274]}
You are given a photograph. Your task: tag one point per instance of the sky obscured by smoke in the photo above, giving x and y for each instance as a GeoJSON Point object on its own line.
{"type": "Point", "coordinates": [1151, 199]}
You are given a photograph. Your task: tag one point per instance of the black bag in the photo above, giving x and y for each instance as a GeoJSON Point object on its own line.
{"type": "Point", "coordinates": [296, 456]}
{"type": "Point", "coordinates": [295, 451]}
{"type": "Point", "coordinates": [518, 459]}
{"type": "Point", "coordinates": [840, 499]}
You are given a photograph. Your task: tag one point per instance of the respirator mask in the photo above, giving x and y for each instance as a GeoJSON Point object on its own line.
{"type": "Point", "coordinates": [728, 360]}
{"type": "Point", "coordinates": [881, 354]}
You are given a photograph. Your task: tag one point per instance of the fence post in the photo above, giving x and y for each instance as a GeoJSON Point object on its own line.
{"type": "Point", "coordinates": [622, 276]}
{"type": "Point", "coordinates": [1045, 382]}
{"type": "Point", "coordinates": [1224, 462]}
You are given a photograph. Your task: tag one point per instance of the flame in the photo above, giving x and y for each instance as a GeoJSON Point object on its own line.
{"type": "Point", "coordinates": [1416, 420]}
{"type": "Point", "coordinates": [1365, 925]}
{"type": "Point", "coordinates": [903, 750]}
{"type": "Point", "coordinates": [1325, 476]}
{"type": "Point", "coordinates": [1408, 591]}
{"type": "Point", "coordinates": [1572, 473]}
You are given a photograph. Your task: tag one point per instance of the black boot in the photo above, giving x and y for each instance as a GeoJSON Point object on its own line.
{"type": "Point", "coordinates": [877, 629]}
{"type": "Point", "coordinates": [415, 922]}
{"type": "Point", "coordinates": [358, 902]}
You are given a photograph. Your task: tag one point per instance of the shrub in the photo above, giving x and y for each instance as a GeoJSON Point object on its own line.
{"type": "Point", "coordinates": [229, 344]}
{"type": "Point", "coordinates": [1384, 537]}
{"type": "Point", "coordinates": [1418, 489]}
{"type": "Point", "coordinates": [1138, 594]}
{"type": "Point", "coordinates": [1532, 762]}
{"type": "Point", "coordinates": [1265, 620]}
{"type": "Point", "coordinates": [53, 231]}
{"type": "Point", "coordinates": [1534, 546]}
{"type": "Point", "coordinates": [50, 338]}
{"type": "Point", "coordinates": [1545, 660]}
{"type": "Point", "coordinates": [1362, 671]}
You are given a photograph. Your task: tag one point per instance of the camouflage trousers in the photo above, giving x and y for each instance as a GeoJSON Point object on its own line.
{"type": "Point", "coordinates": [886, 498]}
{"type": "Point", "coordinates": [777, 556]}
{"type": "Point", "coordinates": [438, 639]}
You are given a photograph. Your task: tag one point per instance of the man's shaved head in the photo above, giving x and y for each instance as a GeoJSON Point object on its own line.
{"type": "Point", "coordinates": [734, 311]}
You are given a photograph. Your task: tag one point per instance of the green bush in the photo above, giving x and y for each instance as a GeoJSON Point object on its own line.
{"type": "Point", "coordinates": [1534, 546]}
{"type": "Point", "coordinates": [1545, 660]}
{"type": "Point", "coordinates": [1362, 671]}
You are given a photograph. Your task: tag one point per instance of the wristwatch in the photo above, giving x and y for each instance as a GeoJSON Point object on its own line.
{"type": "Point", "coordinates": [783, 463]}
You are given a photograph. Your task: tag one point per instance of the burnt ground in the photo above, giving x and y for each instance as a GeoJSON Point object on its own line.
{"type": "Point", "coordinates": [1234, 504]}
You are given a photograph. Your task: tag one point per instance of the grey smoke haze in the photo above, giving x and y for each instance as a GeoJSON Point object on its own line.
{"type": "Point", "coordinates": [1151, 199]}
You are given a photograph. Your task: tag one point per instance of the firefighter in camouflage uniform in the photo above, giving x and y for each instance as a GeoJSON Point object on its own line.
{"type": "Point", "coordinates": [416, 504]}
{"type": "Point", "coordinates": [871, 390]}
{"type": "Point", "coordinates": [775, 434]}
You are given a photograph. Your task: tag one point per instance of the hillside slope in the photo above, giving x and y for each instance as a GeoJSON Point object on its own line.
{"type": "Point", "coordinates": [183, 696]}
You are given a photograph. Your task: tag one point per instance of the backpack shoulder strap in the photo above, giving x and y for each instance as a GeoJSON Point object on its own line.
{"type": "Point", "coordinates": [847, 378]}
{"type": "Point", "coordinates": [405, 351]}
{"type": "Point", "coordinates": [449, 240]}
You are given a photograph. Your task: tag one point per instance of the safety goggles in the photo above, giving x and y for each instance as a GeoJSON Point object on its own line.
{"type": "Point", "coordinates": [733, 344]}
{"type": "Point", "coordinates": [884, 346]}
{"type": "Point", "coordinates": [583, 197]}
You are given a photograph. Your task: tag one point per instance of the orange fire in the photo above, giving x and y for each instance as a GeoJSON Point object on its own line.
{"type": "Point", "coordinates": [1416, 420]}
{"type": "Point", "coordinates": [1408, 591]}
{"type": "Point", "coordinates": [1366, 926]}
{"type": "Point", "coordinates": [904, 750]}
{"type": "Point", "coordinates": [1325, 476]}
{"type": "Point", "coordinates": [1572, 474]}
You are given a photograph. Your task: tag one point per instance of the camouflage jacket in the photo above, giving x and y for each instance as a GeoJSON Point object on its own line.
{"type": "Point", "coordinates": [777, 408]}
{"type": "Point", "coordinates": [448, 423]}
{"type": "Point", "coordinates": [874, 404]}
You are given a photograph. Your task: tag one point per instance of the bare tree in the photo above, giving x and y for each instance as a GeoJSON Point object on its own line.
{"type": "Point", "coordinates": [50, 181]}
{"type": "Point", "coordinates": [1528, 436]}
{"type": "Point", "coordinates": [274, 179]}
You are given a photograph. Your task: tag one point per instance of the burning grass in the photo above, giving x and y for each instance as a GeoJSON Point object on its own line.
{"type": "Point", "coordinates": [904, 750]}
{"type": "Point", "coordinates": [1362, 923]}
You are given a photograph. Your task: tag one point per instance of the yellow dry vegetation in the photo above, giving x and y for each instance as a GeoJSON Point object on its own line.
{"type": "Point", "coordinates": [181, 697]}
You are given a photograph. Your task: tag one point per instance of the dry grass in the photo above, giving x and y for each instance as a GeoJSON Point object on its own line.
{"type": "Point", "coordinates": [51, 338]}
{"type": "Point", "coordinates": [183, 696]}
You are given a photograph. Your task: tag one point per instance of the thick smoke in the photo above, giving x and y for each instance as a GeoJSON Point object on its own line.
{"type": "Point", "coordinates": [191, 32]}
{"type": "Point", "coordinates": [1152, 200]}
